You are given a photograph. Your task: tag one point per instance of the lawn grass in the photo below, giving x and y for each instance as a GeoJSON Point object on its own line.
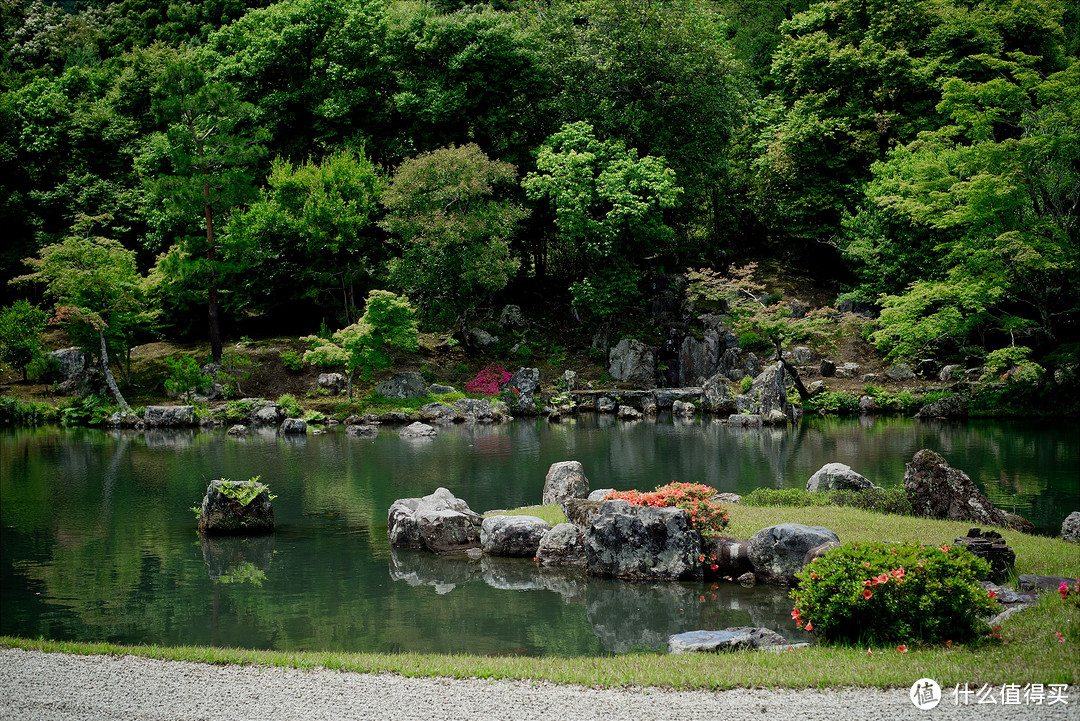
{"type": "Point", "coordinates": [1030, 650]}
{"type": "Point", "coordinates": [552, 514]}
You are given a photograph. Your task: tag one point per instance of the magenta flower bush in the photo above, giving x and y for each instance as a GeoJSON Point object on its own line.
{"type": "Point", "coordinates": [489, 381]}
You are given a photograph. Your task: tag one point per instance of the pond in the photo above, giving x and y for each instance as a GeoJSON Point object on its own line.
{"type": "Point", "coordinates": [98, 538]}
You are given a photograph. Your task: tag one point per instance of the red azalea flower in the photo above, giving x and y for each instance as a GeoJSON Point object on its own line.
{"type": "Point", "coordinates": [867, 564]}
{"type": "Point", "coordinates": [867, 594]}
{"type": "Point", "coordinates": [993, 594]}
{"type": "Point", "coordinates": [944, 548]}
{"type": "Point", "coordinates": [1060, 637]}
{"type": "Point", "coordinates": [1063, 589]}
{"type": "Point", "coordinates": [701, 599]}
{"type": "Point", "coordinates": [902, 648]}
{"type": "Point", "coordinates": [713, 567]}
{"type": "Point", "coordinates": [898, 573]}
{"type": "Point", "coordinates": [882, 578]}
{"type": "Point", "coordinates": [869, 652]}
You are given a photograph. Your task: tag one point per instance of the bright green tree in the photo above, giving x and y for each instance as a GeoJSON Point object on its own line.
{"type": "Point", "coordinates": [97, 290]}
{"type": "Point", "coordinates": [608, 205]}
{"type": "Point", "coordinates": [453, 223]}
{"type": "Point", "coordinates": [21, 326]}
{"type": "Point", "coordinates": [855, 78]}
{"type": "Point", "coordinates": [388, 324]}
{"type": "Point", "coordinates": [310, 234]}
{"type": "Point", "coordinates": [1003, 181]}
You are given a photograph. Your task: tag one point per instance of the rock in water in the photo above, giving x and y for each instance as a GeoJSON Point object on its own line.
{"type": "Point", "coordinates": [512, 535]}
{"type": "Point", "coordinates": [562, 545]}
{"type": "Point", "coordinates": [439, 522]}
{"type": "Point", "coordinates": [564, 480]}
{"type": "Point", "coordinates": [778, 552]}
{"type": "Point", "coordinates": [645, 542]}
{"type": "Point", "coordinates": [236, 507]}
{"type": "Point", "coordinates": [937, 490]}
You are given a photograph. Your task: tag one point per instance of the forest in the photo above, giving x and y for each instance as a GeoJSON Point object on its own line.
{"type": "Point", "coordinates": [180, 169]}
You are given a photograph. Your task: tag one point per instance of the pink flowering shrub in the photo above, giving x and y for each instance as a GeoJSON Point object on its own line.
{"type": "Point", "coordinates": [706, 517]}
{"type": "Point", "coordinates": [890, 593]}
{"type": "Point", "coordinates": [489, 381]}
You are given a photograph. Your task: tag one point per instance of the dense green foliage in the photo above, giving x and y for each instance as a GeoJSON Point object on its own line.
{"type": "Point", "coordinates": [21, 326]}
{"type": "Point", "coordinates": [262, 157]}
{"type": "Point", "coordinates": [874, 593]}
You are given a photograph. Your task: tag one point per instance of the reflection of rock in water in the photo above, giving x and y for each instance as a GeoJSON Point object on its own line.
{"type": "Point", "coordinates": [237, 559]}
{"type": "Point", "coordinates": [511, 574]}
{"type": "Point", "coordinates": [169, 438]}
{"type": "Point", "coordinates": [523, 574]}
{"type": "Point", "coordinates": [420, 568]}
{"type": "Point", "coordinates": [628, 615]}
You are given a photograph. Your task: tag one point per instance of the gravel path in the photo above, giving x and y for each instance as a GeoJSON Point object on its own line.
{"type": "Point", "coordinates": [60, 687]}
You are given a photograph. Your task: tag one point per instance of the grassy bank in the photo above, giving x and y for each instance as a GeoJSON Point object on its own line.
{"type": "Point", "coordinates": [1030, 650]}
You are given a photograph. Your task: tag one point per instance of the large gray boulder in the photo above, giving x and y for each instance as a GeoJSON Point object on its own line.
{"type": "Point", "coordinates": [439, 522]}
{"type": "Point", "coordinates": [562, 545]}
{"type": "Point", "coordinates": [512, 535]}
{"type": "Point", "coordinates": [937, 490]}
{"type": "Point", "coordinates": [523, 385]}
{"type": "Point", "coordinates": [293, 426]}
{"type": "Point", "coordinates": [631, 361]}
{"type": "Point", "coordinates": [333, 383]}
{"type": "Point", "coordinates": [716, 396]}
{"type": "Point", "coordinates": [266, 413]}
{"type": "Point", "coordinates": [403, 386]}
{"type": "Point", "coordinates": [438, 413]}
{"type": "Point", "coordinates": [169, 416]}
{"type": "Point", "coordinates": [682, 409]}
{"type": "Point", "coordinates": [837, 476]}
{"type": "Point", "coordinates": [223, 510]}
{"type": "Point", "coordinates": [1070, 527]}
{"type": "Point", "coordinates": [699, 358]}
{"type": "Point", "coordinates": [778, 552]}
{"type": "Point", "coordinates": [769, 392]}
{"type": "Point", "coordinates": [730, 639]}
{"type": "Point", "coordinates": [641, 542]}
{"type": "Point", "coordinates": [417, 430]}
{"type": "Point", "coordinates": [477, 410]}
{"type": "Point", "coordinates": [951, 407]}
{"type": "Point", "coordinates": [564, 480]}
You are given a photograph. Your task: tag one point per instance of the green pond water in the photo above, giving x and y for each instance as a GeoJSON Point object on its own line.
{"type": "Point", "coordinates": [98, 541]}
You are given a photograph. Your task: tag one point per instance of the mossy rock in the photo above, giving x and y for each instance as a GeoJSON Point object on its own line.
{"type": "Point", "coordinates": [236, 507]}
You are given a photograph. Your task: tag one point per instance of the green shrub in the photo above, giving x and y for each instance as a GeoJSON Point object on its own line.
{"type": "Point", "coordinates": [90, 410]}
{"type": "Point", "coordinates": [236, 411]}
{"type": "Point", "coordinates": [290, 405]}
{"type": "Point", "coordinates": [877, 593]}
{"type": "Point", "coordinates": [745, 383]}
{"type": "Point", "coordinates": [26, 413]}
{"type": "Point", "coordinates": [292, 360]}
{"type": "Point", "coordinates": [185, 379]}
{"type": "Point", "coordinates": [837, 402]}
{"type": "Point", "coordinates": [879, 500]}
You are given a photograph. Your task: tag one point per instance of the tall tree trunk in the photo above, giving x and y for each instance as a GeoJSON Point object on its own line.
{"type": "Point", "coordinates": [211, 256]}
{"type": "Point", "coordinates": [211, 291]}
{"type": "Point", "coordinates": [109, 380]}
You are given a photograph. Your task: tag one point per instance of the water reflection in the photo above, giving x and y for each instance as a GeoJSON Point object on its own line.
{"type": "Point", "coordinates": [237, 559]}
{"type": "Point", "coordinates": [625, 616]}
{"type": "Point", "coordinates": [98, 542]}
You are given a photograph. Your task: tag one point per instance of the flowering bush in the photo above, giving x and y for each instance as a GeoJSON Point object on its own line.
{"type": "Point", "coordinates": [706, 517]}
{"type": "Point", "coordinates": [882, 592]}
{"type": "Point", "coordinates": [489, 381]}
{"type": "Point", "coordinates": [1070, 595]}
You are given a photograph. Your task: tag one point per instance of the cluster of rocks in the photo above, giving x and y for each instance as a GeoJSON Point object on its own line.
{"type": "Point", "coordinates": [609, 538]}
